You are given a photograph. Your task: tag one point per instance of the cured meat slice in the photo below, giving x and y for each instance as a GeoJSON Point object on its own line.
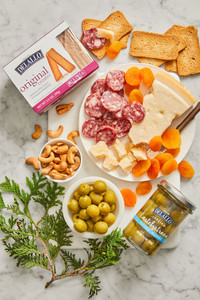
{"type": "Point", "coordinates": [121, 92]}
{"type": "Point", "coordinates": [93, 106]}
{"type": "Point", "coordinates": [118, 114]}
{"type": "Point", "coordinates": [90, 127]}
{"type": "Point", "coordinates": [107, 134]}
{"type": "Point", "coordinates": [107, 122]}
{"type": "Point", "coordinates": [115, 80]}
{"type": "Point", "coordinates": [134, 111]}
{"type": "Point", "coordinates": [122, 127]}
{"type": "Point", "coordinates": [90, 40]}
{"type": "Point", "coordinates": [109, 115]}
{"type": "Point", "coordinates": [99, 86]}
{"type": "Point", "coordinates": [111, 101]}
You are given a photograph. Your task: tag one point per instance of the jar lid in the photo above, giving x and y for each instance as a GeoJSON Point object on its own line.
{"type": "Point", "coordinates": [174, 192]}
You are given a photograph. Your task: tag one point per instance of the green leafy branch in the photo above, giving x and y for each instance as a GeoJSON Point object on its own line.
{"type": "Point", "coordinates": [22, 234]}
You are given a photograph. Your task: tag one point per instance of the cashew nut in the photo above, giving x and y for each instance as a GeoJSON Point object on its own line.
{"type": "Point", "coordinates": [57, 160]}
{"type": "Point", "coordinates": [71, 153]}
{"type": "Point", "coordinates": [63, 108]}
{"type": "Point", "coordinates": [45, 171]}
{"type": "Point", "coordinates": [71, 136]}
{"type": "Point", "coordinates": [60, 167]}
{"type": "Point", "coordinates": [47, 151]}
{"type": "Point", "coordinates": [69, 171]}
{"type": "Point", "coordinates": [59, 144]}
{"type": "Point", "coordinates": [56, 175]}
{"type": "Point", "coordinates": [63, 157]}
{"type": "Point", "coordinates": [37, 133]}
{"type": "Point", "coordinates": [76, 164]}
{"type": "Point", "coordinates": [62, 149]}
{"type": "Point", "coordinates": [34, 161]}
{"type": "Point", "coordinates": [54, 134]}
{"type": "Point", "coordinates": [47, 160]}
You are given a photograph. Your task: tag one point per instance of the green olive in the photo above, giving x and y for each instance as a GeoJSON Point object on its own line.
{"type": "Point", "coordinates": [112, 207]}
{"type": "Point", "coordinates": [101, 227]}
{"type": "Point", "coordinates": [149, 211]}
{"type": "Point", "coordinates": [91, 187]}
{"type": "Point", "coordinates": [80, 225]}
{"type": "Point", "coordinates": [104, 208]}
{"type": "Point", "coordinates": [96, 198]}
{"type": "Point", "coordinates": [162, 200]}
{"type": "Point", "coordinates": [75, 217]}
{"type": "Point", "coordinates": [93, 210]}
{"type": "Point", "coordinates": [73, 206]}
{"type": "Point", "coordinates": [84, 201]}
{"type": "Point", "coordinates": [176, 215]}
{"type": "Point", "coordinates": [90, 225]}
{"type": "Point", "coordinates": [100, 186]}
{"type": "Point", "coordinates": [109, 219]}
{"type": "Point", "coordinates": [129, 230]}
{"type": "Point", "coordinates": [138, 237]}
{"type": "Point", "coordinates": [165, 209]}
{"type": "Point", "coordinates": [76, 195]}
{"type": "Point", "coordinates": [84, 189]}
{"type": "Point", "coordinates": [96, 219]}
{"type": "Point", "coordinates": [149, 245]}
{"type": "Point", "coordinates": [83, 214]}
{"type": "Point", "coordinates": [110, 197]}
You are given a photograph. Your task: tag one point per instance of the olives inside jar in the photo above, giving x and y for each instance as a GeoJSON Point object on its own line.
{"type": "Point", "coordinates": [158, 218]}
{"type": "Point", "coordinates": [93, 207]}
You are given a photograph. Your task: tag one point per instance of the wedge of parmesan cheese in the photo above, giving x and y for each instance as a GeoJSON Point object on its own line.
{"type": "Point", "coordinates": [169, 99]}
{"type": "Point", "coordinates": [110, 162]}
{"type": "Point", "coordinates": [127, 162]}
{"type": "Point", "coordinates": [104, 33]}
{"type": "Point", "coordinates": [99, 150]}
{"type": "Point", "coordinates": [139, 153]}
{"type": "Point", "coordinates": [119, 148]}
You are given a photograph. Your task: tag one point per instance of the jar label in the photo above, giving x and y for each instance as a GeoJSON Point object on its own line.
{"type": "Point", "coordinates": [163, 215]}
{"type": "Point", "coordinates": [149, 230]}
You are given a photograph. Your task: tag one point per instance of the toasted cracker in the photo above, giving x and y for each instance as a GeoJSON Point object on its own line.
{"type": "Point", "coordinates": [152, 61]}
{"type": "Point", "coordinates": [115, 22]}
{"type": "Point", "coordinates": [154, 45]}
{"type": "Point", "coordinates": [188, 61]}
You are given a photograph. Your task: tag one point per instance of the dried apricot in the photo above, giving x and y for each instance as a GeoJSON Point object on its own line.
{"type": "Point", "coordinates": [171, 139]}
{"type": "Point", "coordinates": [186, 169]}
{"type": "Point", "coordinates": [136, 95]}
{"type": "Point", "coordinates": [144, 188]}
{"type": "Point", "coordinates": [114, 49]}
{"type": "Point", "coordinates": [132, 76]}
{"type": "Point", "coordinates": [154, 169]}
{"type": "Point", "coordinates": [128, 88]}
{"type": "Point", "coordinates": [169, 166]}
{"type": "Point", "coordinates": [163, 157]}
{"type": "Point", "coordinates": [141, 167]}
{"type": "Point", "coordinates": [147, 76]}
{"type": "Point", "coordinates": [129, 197]}
{"type": "Point", "coordinates": [174, 152]}
{"type": "Point", "coordinates": [155, 143]}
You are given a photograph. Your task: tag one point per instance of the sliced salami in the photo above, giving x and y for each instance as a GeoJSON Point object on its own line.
{"type": "Point", "coordinates": [99, 86]}
{"type": "Point", "coordinates": [118, 114]}
{"type": "Point", "coordinates": [90, 127]}
{"type": "Point", "coordinates": [93, 106]}
{"type": "Point", "coordinates": [107, 122]}
{"type": "Point", "coordinates": [90, 40]}
{"type": "Point", "coordinates": [107, 134]}
{"type": "Point", "coordinates": [122, 127]}
{"type": "Point", "coordinates": [115, 80]}
{"type": "Point", "coordinates": [111, 101]}
{"type": "Point", "coordinates": [109, 115]}
{"type": "Point", "coordinates": [121, 92]}
{"type": "Point", "coordinates": [134, 111]}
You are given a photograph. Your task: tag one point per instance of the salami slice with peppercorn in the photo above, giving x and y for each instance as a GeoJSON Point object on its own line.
{"type": "Point", "coordinates": [134, 111]}
{"type": "Point", "coordinates": [93, 106]}
{"type": "Point", "coordinates": [122, 127]}
{"type": "Point", "coordinates": [115, 80]}
{"type": "Point", "coordinates": [90, 127]}
{"type": "Point", "coordinates": [111, 101]}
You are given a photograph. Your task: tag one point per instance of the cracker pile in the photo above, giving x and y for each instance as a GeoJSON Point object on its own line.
{"type": "Point", "coordinates": [115, 22]}
{"type": "Point", "coordinates": [178, 48]}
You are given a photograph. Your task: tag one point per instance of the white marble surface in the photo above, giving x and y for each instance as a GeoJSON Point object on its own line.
{"type": "Point", "coordinates": [170, 274]}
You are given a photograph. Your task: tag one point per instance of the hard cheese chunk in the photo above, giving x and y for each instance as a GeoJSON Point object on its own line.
{"type": "Point", "coordinates": [162, 106]}
{"type": "Point", "coordinates": [110, 162]}
{"type": "Point", "coordinates": [119, 148]}
{"type": "Point", "coordinates": [99, 150]}
{"type": "Point", "coordinates": [127, 163]}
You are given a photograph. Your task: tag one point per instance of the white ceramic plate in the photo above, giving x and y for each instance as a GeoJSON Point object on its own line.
{"type": "Point", "coordinates": [187, 133]}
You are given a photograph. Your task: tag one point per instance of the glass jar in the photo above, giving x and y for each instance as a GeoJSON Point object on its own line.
{"type": "Point", "coordinates": [158, 218]}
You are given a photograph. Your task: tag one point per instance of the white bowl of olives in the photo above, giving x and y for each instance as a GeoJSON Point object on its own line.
{"type": "Point", "coordinates": [93, 207]}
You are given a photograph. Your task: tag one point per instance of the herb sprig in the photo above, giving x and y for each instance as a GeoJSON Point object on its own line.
{"type": "Point", "coordinates": [23, 236]}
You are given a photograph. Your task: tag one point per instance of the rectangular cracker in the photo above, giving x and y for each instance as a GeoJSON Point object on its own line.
{"type": "Point", "coordinates": [154, 45]}
{"type": "Point", "coordinates": [188, 61]}
{"type": "Point", "coordinates": [115, 22]}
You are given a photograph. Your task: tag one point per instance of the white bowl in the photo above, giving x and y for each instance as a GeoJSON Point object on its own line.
{"type": "Point", "coordinates": [118, 211]}
{"type": "Point", "coordinates": [69, 143]}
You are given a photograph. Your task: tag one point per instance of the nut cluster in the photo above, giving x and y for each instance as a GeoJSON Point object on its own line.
{"type": "Point", "coordinates": [59, 161]}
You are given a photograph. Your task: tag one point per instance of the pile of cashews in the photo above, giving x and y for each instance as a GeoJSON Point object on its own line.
{"type": "Point", "coordinates": [59, 161]}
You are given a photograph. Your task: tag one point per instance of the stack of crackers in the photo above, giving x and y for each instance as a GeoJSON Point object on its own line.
{"type": "Point", "coordinates": [178, 48]}
{"type": "Point", "coordinates": [115, 22]}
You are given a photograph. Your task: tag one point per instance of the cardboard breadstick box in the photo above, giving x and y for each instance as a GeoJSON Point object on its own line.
{"type": "Point", "coordinates": [51, 68]}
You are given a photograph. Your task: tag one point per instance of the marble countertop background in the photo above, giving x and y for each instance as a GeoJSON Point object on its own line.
{"type": "Point", "coordinates": [172, 274]}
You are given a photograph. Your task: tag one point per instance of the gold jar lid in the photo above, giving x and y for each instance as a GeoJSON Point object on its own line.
{"type": "Point", "coordinates": [177, 195]}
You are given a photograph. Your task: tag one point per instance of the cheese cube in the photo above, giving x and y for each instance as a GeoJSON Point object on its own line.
{"type": "Point", "coordinates": [119, 148]}
{"type": "Point", "coordinates": [99, 150]}
{"type": "Point", "coordinates": [139, 153]}
{"type": "Point", "coordinates": [127, 162]}
{"type": "Point", "coordinates": [110, 162]}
